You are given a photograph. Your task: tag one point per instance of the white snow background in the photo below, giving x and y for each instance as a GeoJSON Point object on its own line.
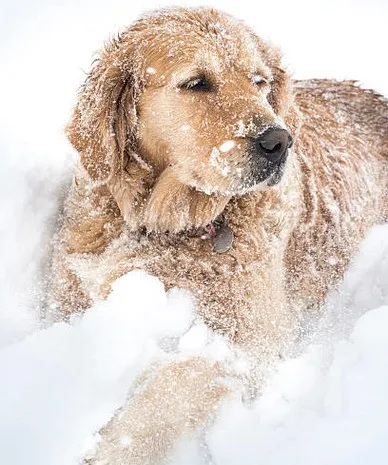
{"type": "Point", "coordinates": [59, 385]}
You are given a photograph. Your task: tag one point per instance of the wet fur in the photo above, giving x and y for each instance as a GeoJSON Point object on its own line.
{"type": "Point", "coordinates": [134, 204]}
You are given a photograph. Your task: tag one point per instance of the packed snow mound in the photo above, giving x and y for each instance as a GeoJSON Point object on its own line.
{"type": "Point", "coordinates": [60, 385]}
{"type": "Point", "coordinates": [329, 406]}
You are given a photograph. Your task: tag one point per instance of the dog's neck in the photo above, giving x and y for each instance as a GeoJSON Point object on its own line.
{"type": "Point", "coordinates": [164, 204]}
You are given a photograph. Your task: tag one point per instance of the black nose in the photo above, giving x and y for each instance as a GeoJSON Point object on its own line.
{"type": "Point", "coordinates": [273, 144]}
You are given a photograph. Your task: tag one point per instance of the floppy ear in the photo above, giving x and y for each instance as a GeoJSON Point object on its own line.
{"type": "Point", "coordinates": [97, 129]}
{"type": "Point", "coordinates": [103, 128]}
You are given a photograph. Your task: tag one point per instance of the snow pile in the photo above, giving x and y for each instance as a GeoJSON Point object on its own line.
{"type": "Point", "coordinates": [62, 384]}
{"type": "Point", "coordinates": [329, 406]}
{"type": "Point", "coordinates": [30, 194]}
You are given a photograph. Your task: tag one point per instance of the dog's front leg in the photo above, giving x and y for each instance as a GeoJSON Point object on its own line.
{"type": "Point", "coordinates": [261, 320]}
{"type": "Point", "coordinates": [174, 400]}
{"type": "Point", "coordinates": [269, 329]}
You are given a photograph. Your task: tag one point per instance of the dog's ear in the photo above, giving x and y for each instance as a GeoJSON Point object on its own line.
{"type": "Point", "coordinates": [104, 124]}
{"type": "Point", "coordinates": [104, 127]}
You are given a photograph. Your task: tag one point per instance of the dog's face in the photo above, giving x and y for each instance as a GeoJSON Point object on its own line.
{"type": "Point", "coordinates": [204, 111]}
{"type": "Point", "coordinates": [187, 108]}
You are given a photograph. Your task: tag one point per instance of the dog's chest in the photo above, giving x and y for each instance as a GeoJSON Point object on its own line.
{"type": "Point", "coordinates": [190, 263]}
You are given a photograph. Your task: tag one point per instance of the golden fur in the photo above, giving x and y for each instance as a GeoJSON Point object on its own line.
{"type": "Point", "coordinates": [153, 174]}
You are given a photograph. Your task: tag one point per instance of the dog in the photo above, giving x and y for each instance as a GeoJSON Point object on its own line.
{"type": "Point", "coordinates": [204, 163]}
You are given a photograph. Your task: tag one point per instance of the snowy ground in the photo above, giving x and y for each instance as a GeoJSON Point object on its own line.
{"type": "Point", "coordinates": [59, 385]}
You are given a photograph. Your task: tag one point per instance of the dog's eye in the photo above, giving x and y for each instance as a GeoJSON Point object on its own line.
{"type": "Point", "coordinates": [200, 84]}
{"type": "Point", "coordinates": [259, 80]}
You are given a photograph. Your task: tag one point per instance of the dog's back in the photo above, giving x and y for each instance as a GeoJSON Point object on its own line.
{"type": "Point", "coordinates": [343, 152]}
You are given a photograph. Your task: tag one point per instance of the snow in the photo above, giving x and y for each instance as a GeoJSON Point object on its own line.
{"type": "Point", "coordinates": [218, 163]}
{"type": "Point", "coordinates": [61, 384]}
{"type": "Point", "coordinates": [227, 145]}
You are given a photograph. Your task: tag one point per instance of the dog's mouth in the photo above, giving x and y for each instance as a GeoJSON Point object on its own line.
{"type": "Point", "coordinates": [265, 174]}
{"type": "Point", "coordinates": [277, 174]}
{"type": "Point", "coordinates": [258, 174]}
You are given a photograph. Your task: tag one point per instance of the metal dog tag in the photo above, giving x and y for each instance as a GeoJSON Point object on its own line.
{"type": "Point", "coordinates": [223, 239]}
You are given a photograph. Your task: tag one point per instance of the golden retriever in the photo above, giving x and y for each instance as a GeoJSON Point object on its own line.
{"type": "Point", "coordinates": [204, 163]}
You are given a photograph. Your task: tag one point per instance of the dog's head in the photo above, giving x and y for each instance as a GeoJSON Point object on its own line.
{"type": "Point", "coordinates": [187, 106]}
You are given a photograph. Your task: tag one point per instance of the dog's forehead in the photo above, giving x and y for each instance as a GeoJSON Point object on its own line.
{"type": "Point", "coordinates": [213, 52]}
{"type": "Point", "coordinates": [220, 57]}
{"type": "Point", "coordinates": [204, 38]}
